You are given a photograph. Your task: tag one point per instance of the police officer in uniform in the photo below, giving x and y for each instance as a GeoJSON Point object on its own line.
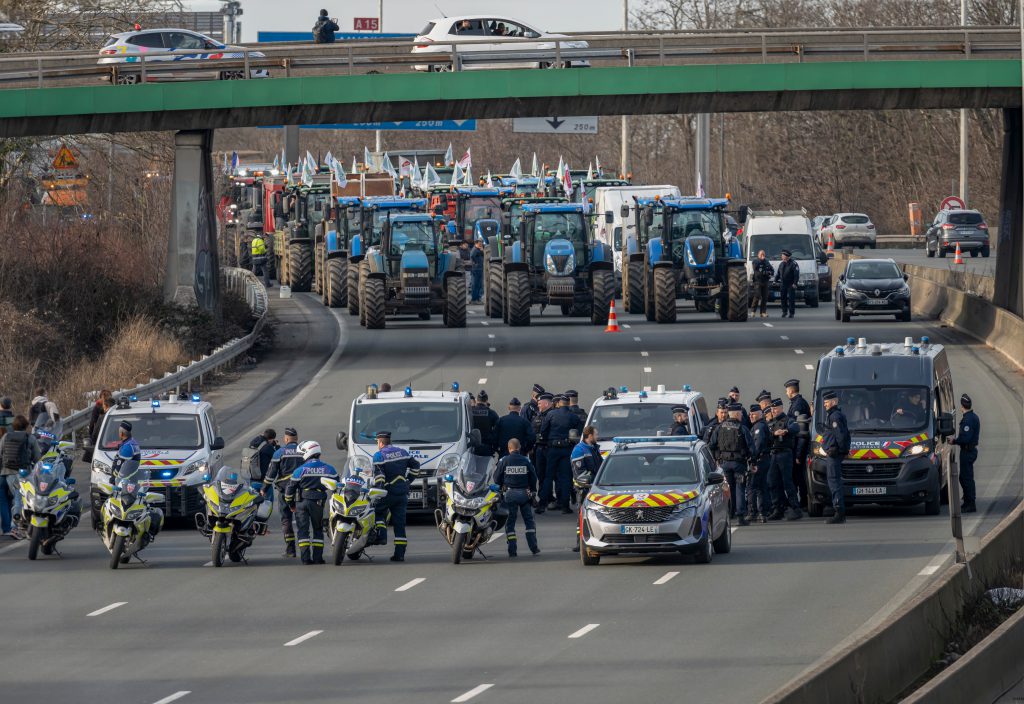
{"type": "Point", "coordinates": [585, 459]}
{"type": "Point", "coordinates": [732, 447]}
{"type": "Point", "coordinates": [758, 498]}
{"type": "Point", "coordinates": [540, 448]}
{"type": "Point", "coordinates": [680, 420]}
{"type": "Point", "coordinates": [391, 471]}
{"type": "Point", "coordinates": [574, 405]}
{"type": "Point", "coordinates": [800, 413]}
{"type": "Point", "coordinates": [305, 497]}
{"type": "Point", "coordinates": [484, 420]}
{"type": "Point", "coordinates": [531, 409]}
{"type": "Point", "coordinates": [780, 471]}
{"type": "Point", "coordinates": [835, 443]}
{"type": "Point", "coordinates": [788, 276]}
{"type": "Point", "coordinates": [734, 397]}
{"type": "Point", "coordinates": [285, 461]}
{"type": "Point", "coordinates": [515, 426]}
{"type": "Point", "coordinates": [967, 440]}
{"type": "Point", "coordinates": [764, 401]}
{"type": "Point", "coordinates": [518, 481]}
{"type": "Point", "coordinates": [555, 431]}
{"type": "Point", "coordinates": [720, 415]}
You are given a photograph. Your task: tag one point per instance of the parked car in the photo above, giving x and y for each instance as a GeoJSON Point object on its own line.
{"type": "Point", "coordinates": [488, 34]}
{"type": "Point", "coordinates": [128, 48]}
{"type": "Point", "coordinates": [951, 227]}
{"type": "Point", "coordinates": [816, 225]}
{"type": "Point", "coordinates": [849, 230]}
{"type": "Point", "coordinates": [872, 287]}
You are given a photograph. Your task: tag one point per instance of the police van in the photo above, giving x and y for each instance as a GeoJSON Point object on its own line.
{"type": "Point", "coordinates": [899, 404]}
{"type": "Point", "coordinates": [624, 413]}
{"type": "Point", "coordinates": [180, 441]}
{"type": "Point", "coordinates": [435, 427]}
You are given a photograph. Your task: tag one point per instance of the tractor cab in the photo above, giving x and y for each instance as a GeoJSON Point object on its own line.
{"type": "Point", "coordinates": [410, 244]}
{"type": "Point", "coordinates": [472, 204]}
{"type": "Point", "coordinates": [375, 213]}
{"type": "Point", "coordinates": [555, 238]}
{"type": "Point", "coordinates": [687, 230]}
{"type": "Point", "coordinates": [512, 211]}
{"type": "Point", "coordinates": [590, 185]}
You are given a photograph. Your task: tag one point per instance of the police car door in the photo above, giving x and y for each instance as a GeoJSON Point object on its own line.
{"type": "Point", "coordinates": [716, 492]}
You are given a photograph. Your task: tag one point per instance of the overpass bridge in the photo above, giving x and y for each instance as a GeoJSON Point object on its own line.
{"type": "Point", "coordinates": [633, 73]}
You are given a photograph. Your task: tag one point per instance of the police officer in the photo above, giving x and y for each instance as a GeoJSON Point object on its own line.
{"type": "Point", "coordinates": [517, 478]}
{"type": "Point", "coordinates": [734, 397]}
{"type": "Point", "coordinates": [484, 420]}
{"type": "Point", "coordinates": [720, 415]}
{"type": "Point", "coordinates": [540, 447]}
{"type": "Point", "coordinates": [391, 471]}
{"type": "Point", "coordinates": [285, 461]}
{"type": "Point", "coordinates": [764, 401]}
{"type": "Point", "coordinates": [680, 420]}
{"type": "Point", "coordinates": [258, 248]}
{"type": "Point", "coordinates": [305, 497]}
{"type": "Point", "coordinates": [515, 426]}
{"type": "Point", "coordinates": [732, 447]}
{"type": "Point", "coordinates": [574, 405]}
{"type": "Point", "coordinates": [125, 439]}
{"type": "Point", "coordinates": [780, 470]}
{"type": "Point", "coordinates": [800, 413]}
{"type": "Point", "coordinates": [967, 439]}
{"type": "Point", "coordinates": [835, 443]}
{"type": "Point", "coordinates": [585, 460]}
{"type": "Point", "coordinates": [758, 498]}
{"type": "Point", "coordinates": [532, 408]}
{"type": "Point", "coordinates": [555, 430]}
{"type": "Point", "coordinates": [788, 277]}
{"type": "Point", "coordinates": [265, 445]}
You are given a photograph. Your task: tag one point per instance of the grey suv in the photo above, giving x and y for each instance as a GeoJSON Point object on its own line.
{"type": "Point", "coordinates": [951, 227]}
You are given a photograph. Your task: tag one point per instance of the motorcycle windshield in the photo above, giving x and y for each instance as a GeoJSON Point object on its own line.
{"type": "Point", "coordinates": [131, 479]}
{"type": "Point", "coordinates": [473, 475]}
{"type": "Point", "coordinates": [43, 478]}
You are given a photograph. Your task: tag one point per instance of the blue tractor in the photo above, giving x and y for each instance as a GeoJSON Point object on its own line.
{"type": "Point", "coordinates": [331, 262]}
{"type": "Point", "coordinates": [688, 253]}
{"type": "Point", "coordinates": [369, 229]}
{"type": "Point", "coordinates": [551, 259]}
{"type": "Point", "coordinates": [412, 270]}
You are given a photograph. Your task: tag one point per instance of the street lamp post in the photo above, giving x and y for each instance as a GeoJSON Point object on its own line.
{"type": "Point", "coordinates": [963, 126]}
{"type": "Point", "coordinates": [624, 160]}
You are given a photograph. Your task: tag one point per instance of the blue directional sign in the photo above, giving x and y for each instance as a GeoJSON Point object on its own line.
{"type": "Point", "coordinates": [408, 125]}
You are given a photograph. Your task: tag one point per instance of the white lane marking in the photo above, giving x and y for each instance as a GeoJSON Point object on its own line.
{"type": "Point", "coordinates": [492, 349]}
{"type": "Point", "coordinates": [799, 351]}
{"type": "Point", "coordinates": [784, 337]}
{"type": "Point", "coordinates": [584, 631]}
{"type": "Point", "coordinates": [490, 335]}
{"type": "Point", "coordinates": [482, 380]}
{"type": "Point", "coordinates": [647, 370]}
{"type": "Point", "coordinates": [484, 322]}
{"type": "Point", "coordinates": [495, 537]}
{"type": "Point", "coordinates": [208, 564]}
{"type": "Point", "coordinates": [472, 693]}
{"type": "Point", "coordinates": [410, 584]}
{"type": "Point", "coordinates": [174, 697]}
{"type": "Point", "coordinates": [14, 545]}
{"type": "Point", "coordinates": [809, 367]}
{"type": "Point", "coordinates": [489, 363]}
{"type": "Point", "coordinates": [302, 638]}
{"type": "Point", "coordinates": [626, 325]}
{"type": "Point", "coordinates": [768, 325]}
{"type": "Point", "coordinates": [733, 529]}
{"type": "Point", "coordinates": [666, 577]}
{"type": "Point", "coordinates": [109, 607]}
{"type": "Point", "coordinates": [645, 354]}
{"type": "Point", "coordinates": [929, 570]}
{"type": "Point", "coordinates": [636, 339]}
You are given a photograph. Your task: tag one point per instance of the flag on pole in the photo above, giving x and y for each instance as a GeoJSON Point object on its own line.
{"type": "Point", "coordinates": [468, 180]}
{"type": "Point", "coordinates": [338, 170]}
{"type": "Point", "coordinates": [490, 181]}
{"type": "Point", "coordinates": [404, 167]}
{"type": "Point", "coordinates": [355, 165]}
{"type": "Point", "coordinates": [311, 162]}
{"type": "Point", "coordinates": [449, 157]}
{"type": "Point", "coordinates": [284, 159]}
{"type": "Point", "coordinates": [430, 177]}
{"type": "Point", "coordinates": [467, 159]}
{"type": "Point", "coordinates": [367, 159]}
{"type": "Point", "coordinates": [415, 170]}
{"type": "Point", "coordinates": [226, 167]}
{"type": "Point", "coordinates": [307, 173]}
{"type": "Point", "coordinates": [560, 169]}
{"type": "Point", "coordinates": [590, 172]}
{"type": "Point", "coordinates": [517, 171]}
{"type": "Point", "coordinates": [289, 175]}
{"type": "Point", "coordinates": [566, 181]}
{"type": "Point", "coordinates": [329, 159]}
{"type": "Point", "coordinates": [533, 167]}
{"type": "Point", "coordinates": [456, 175]}
{"type": "Point", "coordinates": [700, 186]}
{"type": "Point", "coordinates": [597, 160]}
{"type": "Point", "coordinates": [388, 167]}
{"type": "Point", "coordinates": [277, 164]}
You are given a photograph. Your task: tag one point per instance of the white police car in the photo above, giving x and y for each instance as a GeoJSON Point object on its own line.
{"type": "Point", "coordinates": [435, 427]}
{"type": "Point", "coordinates": [179, 441]}
{"type": "Point", "coordinates": [624, 413]}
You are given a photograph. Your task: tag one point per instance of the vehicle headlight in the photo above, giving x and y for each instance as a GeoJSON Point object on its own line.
{"type": "Point", "coordinates": [449, 463]}
{"type": "Point", "coordinates": [195, 467]}
{"type": "Point", "coordinates": [99, 466]}
{"type": "Point", "coordinates": [917, 450]}
{"type": "Point", "coordinates": [360, 463]}
{"type": "Point", "coordinates": [808, 276]}
{"type": "Point", "coordinates": [822, 269]}
{"type": "Point", "coordinates": [570, 265]}
{"type": "Point", "coordinates": [688, 508]}
{"type": "Point", "coordinates": [904, 289]}
{"type": "Point", "coordinates": [135, 514]}
{"type": "Point", "coordinates": [854, 293]}
{"type": "Point", "coordinates": [471, 504]}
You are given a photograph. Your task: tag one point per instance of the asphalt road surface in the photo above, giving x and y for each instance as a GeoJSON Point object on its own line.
{"type": "Point", "coordinates": [536, 629]}
{"type": "Point", "coordinates": [977, 265]}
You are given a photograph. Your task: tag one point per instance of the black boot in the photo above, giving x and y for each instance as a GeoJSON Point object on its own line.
{"type": "Point", "coordinates": [837, 517]}
{"type": "Point", "coordinates": [968, 508]}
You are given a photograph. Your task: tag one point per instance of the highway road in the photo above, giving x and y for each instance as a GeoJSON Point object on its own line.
{"type": "Point", "coordinates": [495, 630]}
{"type": "Point", "coordinates": [976, 265]}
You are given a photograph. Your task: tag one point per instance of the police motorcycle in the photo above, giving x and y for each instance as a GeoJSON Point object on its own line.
{"type": "Point", "coordinates": [128, 519]}
{"type": "Point", "coordinates": [59, 452]}
{"type": "Point", "coordinates": [472, 507]}
{"type": "Point", "coordinates": [351, 514]}
{"type": "Point", "coordinates": [235, 514]}
{"type": "Point", "coordinates": [50, 506]}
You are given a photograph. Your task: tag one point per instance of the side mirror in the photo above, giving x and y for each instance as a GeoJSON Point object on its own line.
{"type": "Point", "coordinates": [715, 477]}
{"type": "Point", "coordinates": [623, 211]}
{"type": "Point", "coordinates": [341, 441]}
{"type": "Point", "coordinates": [822, 259]}
{"type": "Point", "coordinates": [906, 277]}
{"type": "Point", "coordinates": [944, 424]}
{"type": "Point", "coordinates": [743, 212]}
{"type": "Point", "coordinates": [475, 439]}
{"type": "Point", "coordinates": [218, 443]}
{"type": "Point", "coordinates": [609, 217]}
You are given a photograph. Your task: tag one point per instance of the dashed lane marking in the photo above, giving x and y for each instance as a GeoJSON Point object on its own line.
{"type": "Point", "coordinates": [799, 351]}
{"type": "Point", "coordinates": [768, 325]}
{"type": "Point", "coordinates": [645, 354]}
{"type": "Point", "coordinates": [472, 693]}
{"type": "Point", "coordinates": [108, 607]}
{"type": "Point", "coordinates": [208, 564]}
{"type": "Point", "coordinates": [647, 370]}
{"type": "Point", "coordinates": [489, 363]}
{"type": "Point", "coordinates": [809, 367]}
{"type": "Point", "coordinates": [484, 322]}
{"type": "Point", "coordinates": [482, 380]}
{"type": "Point", "coordinates": [492, 349]}
{"type": "Point", "coordinates": [410, 584]}
{"type": "Point", "coordinates": [584, 631]}
{"type": "Point", "coordinates": [784, 337]}
{"type": "Point", "coordinates": [174, 697]}
{"type": "Point", "coordinates": [13, 546]}
{"type": "Point", "coordinates": [665, 578]}
{"type": "Point", "coordinates": [490, 336]}
{"type": "Point", "coordinates": [302, 638]}
{"type": "Point", "coordinates": [636, 339]}
{"type": "Point", "coordinates": [627, 326]}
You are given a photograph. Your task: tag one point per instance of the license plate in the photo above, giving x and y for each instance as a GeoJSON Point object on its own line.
{"type": "Point", "coordinates": [635, 530]}
{"type": "Point", "coordinates": [868, 490]}
{"type": "Point", "coordinates": [876, 302]}
{"type": "Point", "coordinates": [415, 496]}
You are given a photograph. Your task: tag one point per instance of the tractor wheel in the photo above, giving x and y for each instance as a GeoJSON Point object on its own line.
{"type": "Point", "coordinates": [455, 304]}
{"type": "Point", "coordinates": [649, 297]}
{"type": "Point", "coordinates": [364, 272]}
{"type": "Point", "coordinates": [633, 288]}
{"type": "Point", "coordinates": [494, 298]}
{"type": "Point", "coordinates": [300, 266]}
{"type": "Point", "coordinates": [739, 294]}
{"type": "Point", "coordinates": [352, 279]}
{"type": "Point", "coordinates": [664, 295]}
{"type": "Point", "coordinates": [373, 302]}
{"type": "Point", "coordinates": [517, 298]}
{"type": "Point", "coordinates": [604, 292]}
{"type": "Point", "coordinates": [337, 283]}
{"type": "Point", "coordinates": [319, 285]}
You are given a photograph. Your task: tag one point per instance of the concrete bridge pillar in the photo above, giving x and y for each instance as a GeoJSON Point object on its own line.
{"type": "Point", "coordinates": [192, 267]}
{"type": "Point", "coordinates": [1009, 283]}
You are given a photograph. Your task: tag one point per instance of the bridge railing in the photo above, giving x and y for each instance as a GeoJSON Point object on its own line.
{"type": "Point", "coordinates": [632, 48]}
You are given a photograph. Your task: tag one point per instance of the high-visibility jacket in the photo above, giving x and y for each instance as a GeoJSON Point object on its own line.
{"type": "Point", "coordinates": [259, 247]}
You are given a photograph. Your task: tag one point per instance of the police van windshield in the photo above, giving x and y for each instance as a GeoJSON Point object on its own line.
{"type": "Point", "coordinates": [799, 246]}
{"type": "Point", "coordinates": [408, 422]}
{"type": "Point", "coordinates": [156, 431]}
{"type": "Point", "coordinates": [632, 419]}
{"type": "Point", "coordinates": [883, 409]}
{"type": "Point", "coordinates": [635, 468]}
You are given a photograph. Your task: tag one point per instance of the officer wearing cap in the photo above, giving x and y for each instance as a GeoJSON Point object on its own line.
{"type": "Point", "coordinates": [545, 402]}
{"type": "Point", "coordinates": [764, 401]}
{"type": "Point", "coordinates": [780, 470]}
{"type": "Point", "coordinates": [734, 397]}
{"type": "Point", "coordinates": [285, 461]}
{"type": "Point", "coordinates": [515, 426]}
{"type": "Point", "coordinates": [531, 409]}
{"type": "Point", "coordinates": [574, 405]}
{"type": "Point", "coordinates": [518, 481]}
{"type": "Point", "coordinates": [555, 430]}
{"type": "Point", "coordinates": [585, 461]}
{"type": "Point", "coordinates": [392, 467]}
{"type": "Point", "coordinates": [967, 440]}
{"type": "Point", "coordinates": [835, 443]}
{"type": "Point", "coordinates": [680, 420]}
{"type": "Point", "coordinates": [788, 278]}
{"type": "Point", "coordinates": [721, 413]}
{"type": "Point", "coordinates": [758, 499]}
{"type": "Point", "coordinates": [484, 420]}
{"type": "Point", "coordinates": [124, 434]}
{"type": "Point", "coordinates": [732, 447]}
{"type": "Point", "coordinates": [800, 413]}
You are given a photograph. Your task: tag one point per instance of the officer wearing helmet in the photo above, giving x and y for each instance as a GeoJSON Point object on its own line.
{"type": "Point", "coordinates": [305, 496]}
{"type": "Point", "coordinates": [284, 462]}
{"type": "Point", "coordinates": [680, 420]}
{"type": "Point", "coordinates": [392, 467]}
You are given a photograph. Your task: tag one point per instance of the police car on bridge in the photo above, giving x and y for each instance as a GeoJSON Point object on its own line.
{"type": "Point", "coordinates": [660, 494]}
{"type": "Point", "coordinates": [624, 413]}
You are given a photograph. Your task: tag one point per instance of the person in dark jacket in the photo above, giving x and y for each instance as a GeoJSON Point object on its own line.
{"type": "Point", "coordinates": [485, 420]}
{"type": "Point", "coordinates": [476, 257]}
{"type": "Point", "coordinates": [554, 432]}
{"type": "Point", "coordinates": [761, 277]}
{"type": "Point", "coordinates": [835, 443]}
{"type": "Point", "coordinates": [324, 29]}
{"type": "Point", "coordinates": [733, 447]}
{"type": "Point", "coordinates": [967, 440]}
{"type": "Point", "coordinates": [99, 409]}
{"type": "Point", "coordinates": [6, 415]}
{"type": "Point", "coordinates": [518, 481]}
{"type": "Point", "coordinates": [515, 426]}
{"type": "Point", "coordinates": [758, 497]}
{"type": "Point", "coordinates": [18, 450]}
{"type": "Point", "coordinates": [788, 277]}
{"type": "Point", "coordinates": [800, 413]}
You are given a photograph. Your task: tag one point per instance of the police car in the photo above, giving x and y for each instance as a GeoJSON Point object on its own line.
{"type": "Point", "coordinates": [624, 413]}
{"type": "Point", "coordinates": [179, 440]}
{"type": "Point", "coordinates": [661, 494]}
{"type": "Point", "coordinates": [435, 427]}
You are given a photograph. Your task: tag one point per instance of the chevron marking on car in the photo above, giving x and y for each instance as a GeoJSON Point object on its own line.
{"type": "Point", "coordinates": [162, 463]}
{"type": "Point", "coordinates": [670, 498]}
{"type": "Point", "coordinates": [884, 452]}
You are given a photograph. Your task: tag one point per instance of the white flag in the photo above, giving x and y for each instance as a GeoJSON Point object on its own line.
{"type": "Point", "coordinates": [516, 171]}
{"type": "Point", "coordinates": [456, 175]}
{"type": "Point", "coordinates": [560, 169]}
{"type": "Point", "coordinates": [388, 167]}
{"type": "Point", "coordinates": [355, 165]}
{"type": "Point", "coordinates": [329, 159]}
{"type": "Point", "coordinates": [467, 160]}
{"type": "Point", "coordinates": [490, 181]}
{"type": "Point", "coordinates": [404, 167]}
{"type": "Point", "coordinates": [468, 180]}
{"type": "Point", "coordinates": [700, 186]}
{"type": "Point", "coordinates": [566, 181]}
{"type": "Point", "coordinates": [534, 170]}
{"type": "Point", "coordinates": [430, 177]}
{"type": "Point", "coordinates": [597, 160]}
{"type": "Point", "coordinates": [339, 172]}
{"type": "Point", "coordinates": [367, 159]}
{"type": "Point", "coordinates": [449, 157]}
{"type": "Point", "coordinates": [590, 172]}
{"type": "Point", "coordinates": [311, 161]}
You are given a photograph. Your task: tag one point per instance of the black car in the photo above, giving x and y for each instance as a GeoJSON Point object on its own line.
{"type": "Point", "coordinates": [872, 287]}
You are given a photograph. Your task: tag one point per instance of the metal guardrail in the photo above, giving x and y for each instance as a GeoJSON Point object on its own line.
{"type": "Point", "coordinates": [645, 48]}
{"type": "Point", "coordinates": [240, 281]}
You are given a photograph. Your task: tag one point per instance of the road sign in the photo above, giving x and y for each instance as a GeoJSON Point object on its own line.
{"type": "Point", "coordinates": [407, 126]}
{"type": "Point", "coordinates": [555, 125]}
{"type": "Point", "coordinates": [952, 203]}
{"type": "Point", "coordinates": [65, 160]}
{"type": "Point", "coordinates": [366, 24]}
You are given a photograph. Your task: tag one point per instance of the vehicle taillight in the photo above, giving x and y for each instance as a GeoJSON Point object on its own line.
{"type": "Point", "coordinates": [424, 46]}
{"type": "Point", "coordinates": [949, 226]}
{"type": "Point", "coordinates": [982, 226]}
{"type": "Point", "coordinates": [840, 227]}
{"type": "Point", "coordinates": [107, 52]}
{"type": "Point", "coordinates": [871, 227]}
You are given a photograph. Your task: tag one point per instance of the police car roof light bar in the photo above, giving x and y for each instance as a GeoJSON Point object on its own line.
{"type": "Point", "coordinates": [655, 439]}
{"type": "Point", "coordinates": [133, 398]}
{"type": "Point", "coordinates": [408, 392]}
{"type": "Point", "coordinates": [196, 398]}
{"type": "Point", "coordinates": [155, 403]}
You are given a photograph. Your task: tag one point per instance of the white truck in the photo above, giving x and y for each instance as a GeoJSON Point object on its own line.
{"type": "Point", "coordinates": [774, 231]}
{"type": "Point", "coordinates": [616, 225]}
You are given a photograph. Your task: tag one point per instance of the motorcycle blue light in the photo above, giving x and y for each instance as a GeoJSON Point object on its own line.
{"type": "Point", "coordinates": [155, 403]}
{"type": "Point", "coordinates": [643, 394]}
{"type": "Point", "coordinates": [133, 398]}
{"type": "Point", "coordinates": [408, 392]}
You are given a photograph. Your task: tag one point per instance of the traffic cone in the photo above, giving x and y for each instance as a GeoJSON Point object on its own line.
{"type": "Point", "coordinates": [959, 258]}
{"type": "Point", "coordinates": [613, 322]}
{"type": "Point", "coordinates": [831, 244]}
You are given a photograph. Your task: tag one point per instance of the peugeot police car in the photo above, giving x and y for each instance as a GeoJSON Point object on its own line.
{"type": "Point", "coordinates": [179, 441]}
{"type": "Point", "coordinates": [624, 413]}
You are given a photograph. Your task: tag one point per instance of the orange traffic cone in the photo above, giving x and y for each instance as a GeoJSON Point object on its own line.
{"type": "Point", "coordinates": [613, 322]}
{"type": "Point", "coordinates": [959, 258]}
{"type": "Point", "coordinates": [831, 244]}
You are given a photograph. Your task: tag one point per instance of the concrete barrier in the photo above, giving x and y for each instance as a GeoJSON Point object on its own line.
{"type": "Point", "coordinates": [892, 657]}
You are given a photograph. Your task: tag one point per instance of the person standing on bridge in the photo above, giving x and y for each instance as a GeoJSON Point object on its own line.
{"type": "Point", "coordinates": [324, 29]}
{"type": "Point", "coordinates": [285, 461]}
{"type": "Point", "coordinates": [835, 443]}
{"type": "Point", "coordinates": [518, 481]}
{"type": "Point", "coordinates": [967, 439]}
{"type": "Point", "coordinates": [392, 467]}
{"type": "Point", "coordinates": [788, 277]}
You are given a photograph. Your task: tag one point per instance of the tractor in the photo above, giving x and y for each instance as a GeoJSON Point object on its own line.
{"type": "Point", "coordinates": [306, 207]}
{"type": "Point", "coordinates": [412, 271]}
{"type": "Point", "coordinates": [333, 244]}
{"type": "Point", "coordinates": [373, 215]}
{"type": "Point", "coordinates": [552, 259]}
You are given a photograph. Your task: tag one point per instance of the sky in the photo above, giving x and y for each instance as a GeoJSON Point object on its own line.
{"type": "Point", "coordinates": [412, 15]}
